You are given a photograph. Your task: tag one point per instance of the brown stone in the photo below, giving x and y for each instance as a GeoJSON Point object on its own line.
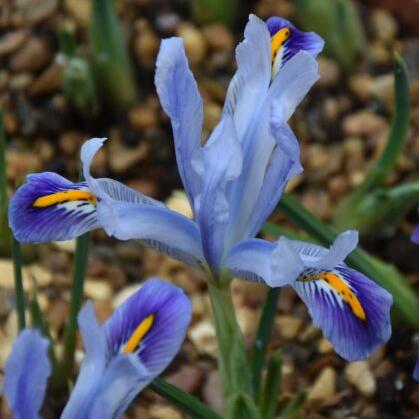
{"type": "Point", "coordinates": [33, 56]}
{"type": "Point", "coordinates": [188, 378]}
{"type": "Point", "coordinates": [11, 41]}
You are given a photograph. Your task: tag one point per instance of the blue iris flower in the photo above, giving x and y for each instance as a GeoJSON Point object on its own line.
{"type": "Point", "coordinates": [233, 181]}
{"type": "Point", "coordinates": [121, 358]}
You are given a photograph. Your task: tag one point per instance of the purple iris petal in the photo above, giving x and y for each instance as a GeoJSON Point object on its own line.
{"type": "Point", "coordinates": [62, 221]}
{"type": "Point", "coordinates": [352, 336]}
{"type": "Point", "coordinates": [309, 42]}
{"type": "Point", "coordinates": [172, 313]}
{"type": "Point", "coordinates": [415, 235]}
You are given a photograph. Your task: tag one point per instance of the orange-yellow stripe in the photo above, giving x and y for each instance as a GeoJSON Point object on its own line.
{"type": "Point", "coordinates": [343, 291]}
{"type": "Point", "coordinates": [278, 40]}
{"type": "Point", "coordinates": [139, 333]}
{"type": "Point", "coordinates": [60, 197]}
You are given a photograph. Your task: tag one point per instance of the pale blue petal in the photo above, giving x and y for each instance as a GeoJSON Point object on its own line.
{"type": "Point", "coordinates": [156, 226]}
{"type": "Point", "coordinates": [284, 164]}
{"type": "Point", "coordinates": [251, 260]}
{"type": "Point", "coordinates": [26, 374]}
{"type": "Point", "coordinates": [122, 380]}
{"type": "Point", "coordinates": [261, 162]}
{"type": "Point", "coordinates": [92, 367]}
{"type": "Point", "coordinates": [181, 100]}
{"type": "Point", "coordinates": [251, 81]}
{"type": "Point", "coordinates": [218, 163]}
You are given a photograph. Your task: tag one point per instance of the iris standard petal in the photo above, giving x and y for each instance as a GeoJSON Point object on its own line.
{"type": "Point", "coordinates": [264, 166]}
{"type": "Point", "coordinates": [92, 367]}
{"type": "Point", "coordinates": [352, 311]}
{"type": "Point", "coordinates": [123, 379]}
{"type": "Point", "coordinates": [251, 81]}
{"type": "Point", "coordinates": [181, 100]}
{"type": "Point", "coordinates": [151, 324]}
{"type": "Point", "coordinates": [287, 40]}
{"type": "Point", "coordinates": [26, 374]}
{"type": "Point", "coordinates": [158, 227]}
{"type": "Point", "coordinates": [218, 163]}
{"type": "Point", "coordinates": [49, 207]}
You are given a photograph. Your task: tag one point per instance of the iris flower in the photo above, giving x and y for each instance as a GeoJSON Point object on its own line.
{"type": "Point", "coordinates": [233, 181]}
{"type": "Point", "coordinates": [121, 357]}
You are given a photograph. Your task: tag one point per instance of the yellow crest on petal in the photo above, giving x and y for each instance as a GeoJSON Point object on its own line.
{"type": "Point", "coordinates": [139, 334]}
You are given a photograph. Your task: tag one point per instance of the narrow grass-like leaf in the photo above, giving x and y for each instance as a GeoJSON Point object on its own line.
{"type": "Point", "coordinates": [182, 400]}
{"type": "Point", "coordinates": [291, 411]}
{"type": "Point", "coordinates": [405, 300]}
{"type": "Point", "coordinates": [8, 244]}
{"type": "Point", "coordinates": [269, 396]}
{"type": "Point", "coordinates": [263, 336]}
{"type": "Point", "coordinates": [111, 64]}
{"type": "Point", "coordinates": [363, 207]}
{"type": "Point", "coordinates": [77, 290]}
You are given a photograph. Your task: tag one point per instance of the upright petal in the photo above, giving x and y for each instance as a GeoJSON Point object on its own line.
{"type": "Point", "coordinates": [181, 100]}
{"type": "Point", "coordinates": [158, 227]}
{"type": "Point", "coordinates": [352, 311]}
{"type": "Point", "coordinates": [92, 367]}
{"type": "Point", "coordinates": [267, 161]}
{"type": "Point", "coordinates": [218, 163]}
{"type": "Point", "coordinates": [251, 81]}
{"type": "Point", "coordinates": [49, 207]}
{"type": "Point", "coordinates": [26, 374]}
{"type": "Point", "coordinates": [151, 324]}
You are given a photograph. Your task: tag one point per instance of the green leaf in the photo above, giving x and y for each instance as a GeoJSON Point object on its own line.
{"type": "Point", "coordinates": [182, 400]}
{"type": "Point", "coordinates": [366, 207]}
{"type": "Point", "coordinates": [293, 406]}
{"type": "Point", "coordinates": [241, 406]}
{"type": "Point", "coordinates": [263, 336]}
{"type": "Point", "coordinates": [405, 300]}
{"type": "Point", "coordinates": [111, 63]}
{"type": "Point", "coordinates": [77, 290]}
{"type": "Point", "coordinates": [269, 396]}
{"type": "Point", "coordinates": [338, 23]}
{"type": "Point", "coordinates": [224, 11]}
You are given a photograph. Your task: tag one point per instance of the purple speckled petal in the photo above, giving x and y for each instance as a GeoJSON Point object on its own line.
{"type": "Point", "coordinates": [416, 370]}
{"type": "Point", "coordinates": [172, 314]}
{"type": "Point", "coordinates": [355, 331]}
{"type": "Point", "coordinates": [298, 40]}
{"type": "Point", "coordinates": [62, 221]}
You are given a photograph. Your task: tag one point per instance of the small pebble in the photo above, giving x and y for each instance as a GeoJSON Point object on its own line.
{"type": "Point", "coordinates": [361, 377]}
{"type": "Point", "coordinates": [288, 326]}
{"type": "Point", "coordinates": [324, 388]}
{"type": "Point", "coordinates": [202, 336]}
{"type": "Point", "coordinates": [195, 44]}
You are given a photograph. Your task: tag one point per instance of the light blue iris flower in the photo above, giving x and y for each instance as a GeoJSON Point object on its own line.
{"type": "Point", "coordinates": [121, 357]}
{"type": "Point", "coordinates": [233, 183]}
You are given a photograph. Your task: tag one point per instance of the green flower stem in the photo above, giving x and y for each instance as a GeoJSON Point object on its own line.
{"type": "Point", "coordinates": [264, 333]}
{"type": "Point", "coordinates": [405, 300]}
{"type": "Point", "coordinates": [272, 386]}
{"type": "Point", "coordinates": [77, 289]}
{"type": "Point", "coordinates": [232, 360]}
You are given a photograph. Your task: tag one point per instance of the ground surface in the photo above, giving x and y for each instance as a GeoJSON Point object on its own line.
{"type": "Point", "coordinates": [342, 126]}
